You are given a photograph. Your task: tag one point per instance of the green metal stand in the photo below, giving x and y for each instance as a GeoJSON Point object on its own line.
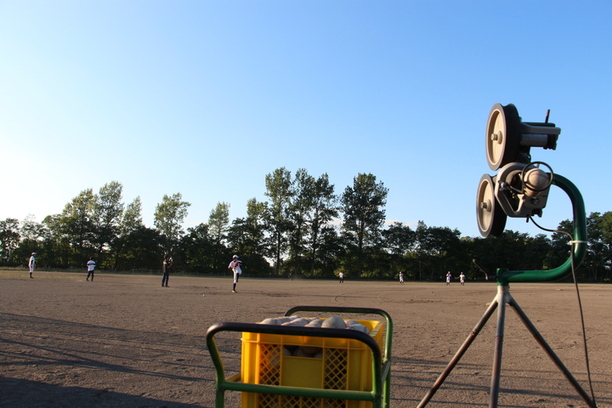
{"type": "Point", "coordinates": [381, 362]}
{"type": "Point", "coordinates": [503, 297]}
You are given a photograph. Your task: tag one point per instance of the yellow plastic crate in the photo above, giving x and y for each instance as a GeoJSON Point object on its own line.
{"type": "Point", "coordinates": [343, 364]}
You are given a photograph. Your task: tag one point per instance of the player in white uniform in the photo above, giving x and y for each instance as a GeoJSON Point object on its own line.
{"type": "Point", "coordinates": [32, 264]}
{"type": "Point", "coordinates": [91, 265]}
{"type": "Point", "coordinates": [235, 267]}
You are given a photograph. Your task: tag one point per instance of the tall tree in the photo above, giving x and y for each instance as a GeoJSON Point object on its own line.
{"type": "Point", "coordinates": [36, 235]}
{"type": "Point", "coordinates": [247, 238]}
{"type": "Point", "coordinates": [441, 247]}
{"type": "Point", "coordinates": [200, 251]}
{"type": "Point", "coordinates": [218, 222]}
{"type": "Point", "coordinates": [9, 239]}
{"type": "Point", "coordinates": [596, 264]}
{"type": "Point", "coordinates": [298, 212]}
{"type": "Point", "coordinates": [323, 209]}
{"type": "Point", "coordinates": [536, 252]}
{"type": "Point", "coordinates": [137, 246]}
{"type": "Point", "coordinates": [329, 251]}
{"type": "Point", "coordinates": [57, 249]}
{"type": "Point", "coordinates": [129, 234]}
{"type": "Point", "coordinates": [606, 237]}
{"type": "Point", "coordinates": [32, 230]}
{"type": "Point", "coordinates": [142, 250]}
{"type": "Point", "coordinates": [131, 219]}
{"type": "Point", "coordinates": [280, 192]}
{"type": "Point", "coordinates": [363, 205]}
{"type": "Point", "coordinates": [77, 225]}
{"type": "Point", "coordinates": [106, 217]}
{"type": "Point", "coordinates": [399, 240]}
{"type": "Point", "coordinates": [169, 217]}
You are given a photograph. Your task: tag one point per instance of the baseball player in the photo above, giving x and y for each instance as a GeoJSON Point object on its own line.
{"type": "Point", "coordinates": [235, 267]}
{"type": "Point", "coordinates": [91, 265]}
{"type": "Point", "coordinates": [32, 264]}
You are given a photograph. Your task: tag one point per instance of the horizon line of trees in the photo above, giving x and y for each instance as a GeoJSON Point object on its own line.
{"type": "Point", "coordinates": [290, 232]}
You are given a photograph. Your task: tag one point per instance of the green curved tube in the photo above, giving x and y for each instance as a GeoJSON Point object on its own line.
{"type": "Point", "coordinates": [505, 276]}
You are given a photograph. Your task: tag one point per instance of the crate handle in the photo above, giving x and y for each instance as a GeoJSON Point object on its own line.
{"type": "Point", "coordinates": [223, 385]}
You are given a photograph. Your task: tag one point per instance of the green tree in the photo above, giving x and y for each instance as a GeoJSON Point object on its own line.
{"type": "Point", "coordinates": [279, 191]}
{"type": "Point", "coordinates": [330, 248]}
{"type": "Point", "coordinates": [169, 216]}
{"type": "Point", "coordinates": [130, 231]}
{"type": "Point", "coordinates": [218, 222]}
{"type": "Point", "coordinates": [323, 208]}
{"type": "Point", "coordinates": [399, 240]}
{"type": "Point", "coordinates": [246, 237]}
{"type": "Point", "coordinates": [201, 251]}
{"type": "Point", "coordinates": [606, 236]}
{"type": "Point", "coordinates": [595, 265]}
{"type": "Point", "coordinates": [299, 208]}
{"type": "Point", "coordinates": [9, 239]}
{"type": "Point", "coordinates": [441, 249]}
{"type": "Point", "coordinates": [141, 250]}
{"type": "Point", "coordinates": [35, 237]}
{"type": "Point", "coordinates": [106, 217]}
{"type": "Point", "coordinates": [131, 218]}
{"type": "Point", "coordinates": [77, 227]}
{"type": "Point", "coordinates": [57, 244]}
{"type": "Point", "coordinates": [363, 205]}
{"type": "Point", "coordinates": [204, 246]}
{"type": "Point", "coordinates": [32, 230]}
{"type": "Point", "coordinates": [313, 205]}
{"type": "Point", "coordinates": [536, 252]}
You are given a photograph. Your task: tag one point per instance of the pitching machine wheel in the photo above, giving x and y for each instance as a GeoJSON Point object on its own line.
{"type": "Point", "coordinates": [491, 217]}
{"type": "Point", "coordinates": [503, 135]}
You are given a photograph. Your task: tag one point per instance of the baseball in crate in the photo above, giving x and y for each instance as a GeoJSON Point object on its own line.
{"type": "Point", "coordinates": [308, 362]}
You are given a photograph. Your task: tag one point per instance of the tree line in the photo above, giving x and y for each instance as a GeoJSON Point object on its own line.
{"type": "Point", "coordinates": [303, 227]}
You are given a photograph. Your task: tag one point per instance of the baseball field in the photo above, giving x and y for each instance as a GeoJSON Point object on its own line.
{"type": "Point", "coordinates": [125, 341]}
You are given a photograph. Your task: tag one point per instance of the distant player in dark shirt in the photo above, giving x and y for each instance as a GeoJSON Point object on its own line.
{"type": "Point", "coordinates": [166, 267]}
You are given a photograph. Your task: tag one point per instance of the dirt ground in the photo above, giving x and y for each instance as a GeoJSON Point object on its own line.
{"type": "Point", "coordinates": [124, 341]}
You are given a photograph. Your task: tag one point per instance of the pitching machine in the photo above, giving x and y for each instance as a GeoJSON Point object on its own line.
{"type": "Point", "coordinates": [519, 189]}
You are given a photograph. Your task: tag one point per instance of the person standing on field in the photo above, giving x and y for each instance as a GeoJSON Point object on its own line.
{"type": "Point", "coordinates": [166, 266]}
{"type": "Point", "coordinates": [32, 264]}
{"type": "Point", "coordinates": [401, 278]}
{"type": "Point", "coordinates": [462, 278]}
{"type": "Point", "coordinates": [91, 265]}
{"type": "Point", "coordinates": [341, 277]}
{"type": "Point", "coordinates": [235, 267]}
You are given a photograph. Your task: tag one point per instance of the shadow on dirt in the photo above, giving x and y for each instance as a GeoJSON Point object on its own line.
{"type": "Point", "coordinates": [34, 394]}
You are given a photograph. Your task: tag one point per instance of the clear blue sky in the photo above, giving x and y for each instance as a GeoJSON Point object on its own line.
{"type": "Point", "coordinates": [207, 97]}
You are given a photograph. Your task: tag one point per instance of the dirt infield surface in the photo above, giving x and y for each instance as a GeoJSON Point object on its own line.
{"type": "Point", "coordinates": [124, 341]}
